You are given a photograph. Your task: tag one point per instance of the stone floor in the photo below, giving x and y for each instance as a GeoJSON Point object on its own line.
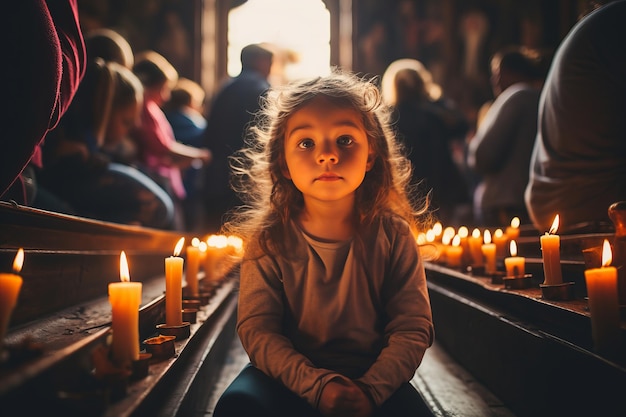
{"type": "Point", "coordinates": [449, 389]}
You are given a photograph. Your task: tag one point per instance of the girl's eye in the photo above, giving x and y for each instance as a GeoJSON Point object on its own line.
{"type": "Point", "coordinates": [306, 143]}
{"type": "Point", "coordinates": [344, 140]}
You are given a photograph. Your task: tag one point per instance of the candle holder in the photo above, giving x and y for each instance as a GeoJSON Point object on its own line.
{"type": "Point", "coordinates": [518, 283]}
{"type": "Point", "coordinates": [476, 269]}
{"type": "Point", "coordinates": [202, 297]}
{"type": "Point", "coordinates": [139, 368]}
{"type": "Point", "coordinates": [190, 315]}
{"type": "Point", "coordinates": [497, 277]}
{"type": "Point", "coordinates": [191, 304]}
{"type": "Point", "coordinates": [160, 347]}
{"type": "Point", "coordinates": [557, 292]}
{"type": "Point", "coordinates": [182, 331]}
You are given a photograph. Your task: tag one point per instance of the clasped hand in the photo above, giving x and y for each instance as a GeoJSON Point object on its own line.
{"type": "Point", "coordinates": [343, 398]}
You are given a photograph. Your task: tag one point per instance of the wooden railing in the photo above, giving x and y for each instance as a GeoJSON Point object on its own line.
{"type": "Point", "coordinates": [59, 333]}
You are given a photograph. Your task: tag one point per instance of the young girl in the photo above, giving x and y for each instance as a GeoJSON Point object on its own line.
{"type": "Point", "coordinates": [333, 307]}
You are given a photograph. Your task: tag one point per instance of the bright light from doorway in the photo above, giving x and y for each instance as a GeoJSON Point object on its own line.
{"type": "Point", "coordinates": [299, 29]}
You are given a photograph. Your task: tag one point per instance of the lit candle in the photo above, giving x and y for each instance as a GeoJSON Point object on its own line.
{"type": "Point", "coordinates": [512, 231]}
{"type": "Point", "coordinates": [515, 265]}
{"type": "Point", "coordinates": [10, 285]}
{"type": "Point", "coordinates": [475, 241]}
{"type": "Point", "coordinates": [489, 252]}
{"type": "Point", "coordinates": [550, 252]}
{"type": "Point", "coordinates": [216, 245]}
{"type": "Point", "coordinates": [438, 230]}
{"type": "Point", "coordinates": [500, 239]}
{"type": "Point", "coordinates": [463, 234]}
{"type": "Point", "coordinates": [454, 252]}
{"type": "Point", "coordinates": [173, 287]}
{"type": "Point", "coordinates": [604, 303]}
{"type": "Point", "coordinates": [125, 298]}
{"type": "Point", "coordinates": [192, 265]}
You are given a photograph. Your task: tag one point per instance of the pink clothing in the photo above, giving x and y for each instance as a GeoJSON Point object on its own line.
{"type": "Point", "coordinates": [155, 138]}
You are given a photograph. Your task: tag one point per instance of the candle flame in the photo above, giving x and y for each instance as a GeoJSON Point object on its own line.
{"type": "Point", "coordinates": [487, 238]}
{"type": "Point", "coordinates": [202, 246]}
{"type": "Point", "coordinates": [179, 246]}
{"type": "Point", "coordinates": [515, 222]}
{"type": "Point", "coordinates": [430, 235]}
{"type": "Point", "coordinates": [513, 248]}
{"type": "Point", "coordinates": [421, 239]}
{"type": "Point", "coordinates": [475, 233]}
{"type": "Point", "coordinates": [555, 225]}
{"type": "Point", "coordinates": [438, 228]}
{"type": "Point", "coordinates": [463, 231]}
{"type": "Point", "coordinates": [446, 239]}
{"type": "Point", "coordinates": [498, 233]}
{"type": "Point", "coordinates": [195, 242]}
{"type": "Point", "coordinates": [448, 233]}
{"type": "Point", "coordinates": [607, 255]}
{"type": "Point", "coordinates": [19, 261]}
{"type": "Point", "coordinates": [124, 274]}
{"type": "Point", "coordinates": [456, 241]}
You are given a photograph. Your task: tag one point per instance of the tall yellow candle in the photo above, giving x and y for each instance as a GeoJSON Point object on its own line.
{"type": "Point", "coordinates": [604, 303]}
{"type": "Point", "coordinates": [489, 252]}
{"type": "Point", "coordinates": [515, 265]}
{"type": "Point", "coordinates": [125, 298]}
{"type": "Point", "coordinates": [174, 287]}
{"type": "Point", "coordinates": [551, 255]}
{"type": "Point", "coordinates": [10, 285]}
{"type": "Point", "coordinates": [475, 241]}
{"type": "Point", "coordinates": [454, 252]}
{"type": "Point", "coordinates": [192, 265]}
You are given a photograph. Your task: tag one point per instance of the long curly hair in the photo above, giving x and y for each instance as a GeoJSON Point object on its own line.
{"type": "Point", "coordinates": [271, 200]}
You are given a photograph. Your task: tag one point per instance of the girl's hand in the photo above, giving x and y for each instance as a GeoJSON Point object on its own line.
{"type": "Point", "coordinates": [343, 398]}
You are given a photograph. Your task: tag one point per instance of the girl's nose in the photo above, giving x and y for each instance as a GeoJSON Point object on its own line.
{"type": "Point", "coordinates": [327, 154]}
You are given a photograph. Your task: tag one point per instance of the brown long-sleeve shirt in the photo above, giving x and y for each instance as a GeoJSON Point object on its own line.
{"type": "Point", "coordinates": [361, 311]}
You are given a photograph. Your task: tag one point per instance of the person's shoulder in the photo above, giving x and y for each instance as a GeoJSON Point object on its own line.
{"type": "Point", "coordinates": [392, 224]}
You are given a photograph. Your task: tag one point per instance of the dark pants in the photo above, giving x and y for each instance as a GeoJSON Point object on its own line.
{"type": "Point", "coordinates": [254, 394]}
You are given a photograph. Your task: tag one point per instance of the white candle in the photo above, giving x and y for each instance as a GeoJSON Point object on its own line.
{"type": "Point", "coordinates": [125, 298]}
{"type": "Point", "coordinates": [174, 287]}
{"type": "Point", "coordinates": [604, 303]}
{"type": "Point", "coordinates": [489, 252]}
{"type": "Point", "coordinates": [550, 252]}
{"type": "Point", "coordinates": [515, 265]}
{"type": "Point", "coordinates": [10, 285]}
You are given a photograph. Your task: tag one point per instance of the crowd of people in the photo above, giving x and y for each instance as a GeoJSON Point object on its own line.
{"type": "Point", "coordinates": [141, 145]}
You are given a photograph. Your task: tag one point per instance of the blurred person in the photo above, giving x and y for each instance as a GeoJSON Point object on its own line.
{"type": "Point", "coordinates": [578, 165]}
{"type": "Point", "coordinates": [230, 114]}
{"type": "Point", "coordinates": [45, 61]}
{"type": "Point", "coordinates": [184, 111]}
{"type": "Point", "coordinates": [107, 105]}
{"type": "Point", "coordinates": [160, 154]}
{"type": "Point", "coordinates": [427, 127]}
{"type": "Point", "coordinates": [500, 150]}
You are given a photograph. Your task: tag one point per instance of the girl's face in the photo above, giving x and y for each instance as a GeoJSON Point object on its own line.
{"type": "Point", "coordinates": [122, 120]}
{"type": "Point", "coordinates": [326, 151]}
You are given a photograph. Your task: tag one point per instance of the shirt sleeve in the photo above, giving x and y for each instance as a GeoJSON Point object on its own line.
{"type": "Point", "coordinates": [409, 329]}
{"type": "Point", "coordinates": [259, 325]}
